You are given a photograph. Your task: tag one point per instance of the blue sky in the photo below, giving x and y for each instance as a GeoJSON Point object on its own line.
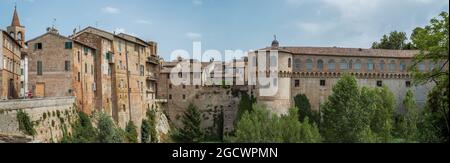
{"type": "Point", "coordinates": [230, 24]}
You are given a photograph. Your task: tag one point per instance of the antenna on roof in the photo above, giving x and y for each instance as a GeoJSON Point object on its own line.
{"type": "Point", "coordinates": [275, 37]}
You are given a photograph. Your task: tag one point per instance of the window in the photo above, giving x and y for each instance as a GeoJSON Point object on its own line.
{"type": "Point", "coordinates": [408, 84]}
{"type": "Point", "coordinates": [323, 83]}
{"type": "Point", "coordinates": [38, 46]}
{"type": "Point", "coordinates": [331, 65]}
{"type": "Point", "coordinates": [184, 86]}
{"type": "Point", "coordinates": [275, 82]}
{"type": "Point", "coordinates": [432, 66]}
{"type": "Point", "coordinates": [170, 97]}
{"type": "Point", "coordinates": [170, 86]}
{"type": "Point", "coordinates": [92, 69]}
{"type": "Point", "coordinates": [67, 65]}
{"type": "Point", "coordinates": [85, 68]}
{"type": "Point", "coordinates": [68, 45]}
{"type": "Point", "coordinates": [297, 83]}
{"type": "Point", "coordinates": [142, 70]}
{"type": "Point", "coordinates": [39, 68]}
{"type": "Point", "coordinates": [180, 75]}
{"type": "Point", "coordinates": [290, 62]}
{"type": "Point", "coordinates": [255, 62]}
{"type": "Point", "coordinates": [297, 64]}
{"type": "Point", "coordinates": [320, 65]}
{"type": "Point", "coordinates": [184, 97]}
{"type": "Point", "coordinates": [78, 55]}
{"type": "Point", "coordinates": [402, 66]}
{"type": "Point", "coordinates": [309, 65]}
{"type": "Point", "coordinates": [344, 65]}
{"type": "Point", "coordinates": [86, 51]}
{"type": "Point", "coordinates": [197, 87]}
{"type": "Point", "coordinates": [392, 66]}
{"type": "Point", "coordinates": [21, 71]}
{"type": "Point", "coordinates": [379, 83]}
{"type": "Point", "coordinates": [79, 77]}
{"type": "Point", "coordinates": [382, 65]}
{"type": "Point", "coordinates": [422, 66]}
{"type": "Point", "coordinates": [370, 65]}
{"type": "Point", "coordinates": [357, 65]}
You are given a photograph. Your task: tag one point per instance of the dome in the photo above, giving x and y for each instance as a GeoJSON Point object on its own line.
{"type": "Point", "coordinates": [275, 43]}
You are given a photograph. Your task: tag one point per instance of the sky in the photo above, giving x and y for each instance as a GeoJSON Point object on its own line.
{"type": "Point", "coordinates": [229, 24]}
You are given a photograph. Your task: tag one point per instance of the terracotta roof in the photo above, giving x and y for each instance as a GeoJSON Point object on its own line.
{"type": "Point", "coordinates": [351, 52]}
{"type": "Point", "coordinates": [15, 20]}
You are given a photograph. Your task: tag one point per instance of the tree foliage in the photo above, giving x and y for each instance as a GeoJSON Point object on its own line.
{"type": "Point", "coordinates": [260, 126]}
{"type": "Point", "coordinates": [305, 111]}
{"type": "Point", "coordinates": [131, 133]}
{"type": "Point", "coordinates": [342, 113]}
{"type": "Point", "coordinates": [432, 41]}
{"type": "Point", "coordinates": [394, 41]}
{"type": "Point", "coordinates": [191, 131]}
{"type": "Point", "coordinates": [406, 121]}
{"type": "Point", "coordinates": [107, 132]}
{"type": "Point", "coordinates": [25, 123]}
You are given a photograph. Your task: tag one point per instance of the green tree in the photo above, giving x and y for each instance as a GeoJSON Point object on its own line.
{"type": "Point", "coordinates": [382, 117]}
{"type": "Point", "coordinates": [245, 105]}
{"type": "Point", "coordinates": [343, 117]}
{"type": "Point", "coordinates": [132, 135]}
{"type": "Point", "coordinates": [305, 111]}
{"type": "Point", "coordinates": [191, 131]}
{"type": "Point", "coordinates": [433, 42]}
{"type": "Point", "coordinates": [406, 126]}
{"type": "Point", "coordinates": [395, 41]}
{"type": "Point", "coordinates": [108, 133]}
{"type": "Point", "coordinates": [82, 130]}
{"type": "Point", "coordinates": [145, 131]}
{"type": "Point", "coordinates": [261, 126]}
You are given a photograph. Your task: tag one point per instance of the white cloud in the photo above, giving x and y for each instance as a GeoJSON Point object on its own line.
{"type": "Point", "coordinates": [197, 2]}
{"type": "Point", "coordinates": [145, 22]}
{"type": "Point", "coordinates": [110, 10]}
{"type": "Point", "coordinates": [193, 35]}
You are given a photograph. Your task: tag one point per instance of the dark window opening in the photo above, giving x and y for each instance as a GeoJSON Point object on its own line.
{"type": "Point", "coordinates": [297, 83]}
{"type": "Point", "coordinates": [379, 83]}
{"type": "Point", "coordinates": [323, 83]}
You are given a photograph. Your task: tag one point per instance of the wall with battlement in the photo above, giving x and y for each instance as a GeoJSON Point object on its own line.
{"type": "Point", "coordinates": [50, 116]}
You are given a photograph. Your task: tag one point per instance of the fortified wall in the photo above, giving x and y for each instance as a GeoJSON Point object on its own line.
{"type": "Point", "coordinates": [50, 116]}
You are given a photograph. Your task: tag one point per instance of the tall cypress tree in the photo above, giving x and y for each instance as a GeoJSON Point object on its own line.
{"type": "Point", "coordinates": [191, 132]}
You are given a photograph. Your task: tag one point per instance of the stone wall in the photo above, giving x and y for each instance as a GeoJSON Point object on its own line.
{"type": "Point", "coordinates": [49, 115]}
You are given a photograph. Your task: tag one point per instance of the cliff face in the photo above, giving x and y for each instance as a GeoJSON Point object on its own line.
{"type": "Point", "coordinates": [162, 126]}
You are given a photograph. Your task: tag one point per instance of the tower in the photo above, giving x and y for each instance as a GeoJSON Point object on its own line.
{"type": "Point", "coordinates": [16, 30]}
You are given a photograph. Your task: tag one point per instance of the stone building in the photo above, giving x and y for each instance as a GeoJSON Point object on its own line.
{"type": "Point", "coordinates": [314, 71]}
{"type": "Point", "coordinates": [61, 67]}
{"type": "Point", "coordinates": [127, 71]}
{"type": "Point", "coordinates": [12, 41]}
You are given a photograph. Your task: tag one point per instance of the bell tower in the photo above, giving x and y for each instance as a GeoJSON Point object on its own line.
{"type": "Point", "coordinates": [16, 30]}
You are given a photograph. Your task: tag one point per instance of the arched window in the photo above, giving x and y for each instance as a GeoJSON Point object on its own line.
{"type": "Point", "coordinates": [344, 65]}
{"type": "Point", "coordinates": [422, 66]}
{"type": "Point", "coordinates": [392, 66]}
{"type": "Point", "coordinates": [13, 35]}
{"type": "Point", "coordinates": [382, 64]}
{"type": "Point", "coordinates": [297, 64]}
{"type": "Point", "coordinates": [331, 65]}
{"type": "Point", "coordinates": [290, 62]}
{"type": "Point", "coordinates": [403, 66]}
{"type": "Point", "coordinates": [309, 64]}
{"type": "Point", "coordinates": [370, 65]}
{"type": "Point", "coordinates": [19, 36]}
{"type": "Point", "coordinates": [357, 65]}
{"type": "Point", "coordinates": [320, 65]}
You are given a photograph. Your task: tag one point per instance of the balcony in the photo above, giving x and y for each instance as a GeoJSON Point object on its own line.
{"type": "Point", "coordinates": [153, 60]}
{"type": "Point", "coordinates": [152, 76]}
